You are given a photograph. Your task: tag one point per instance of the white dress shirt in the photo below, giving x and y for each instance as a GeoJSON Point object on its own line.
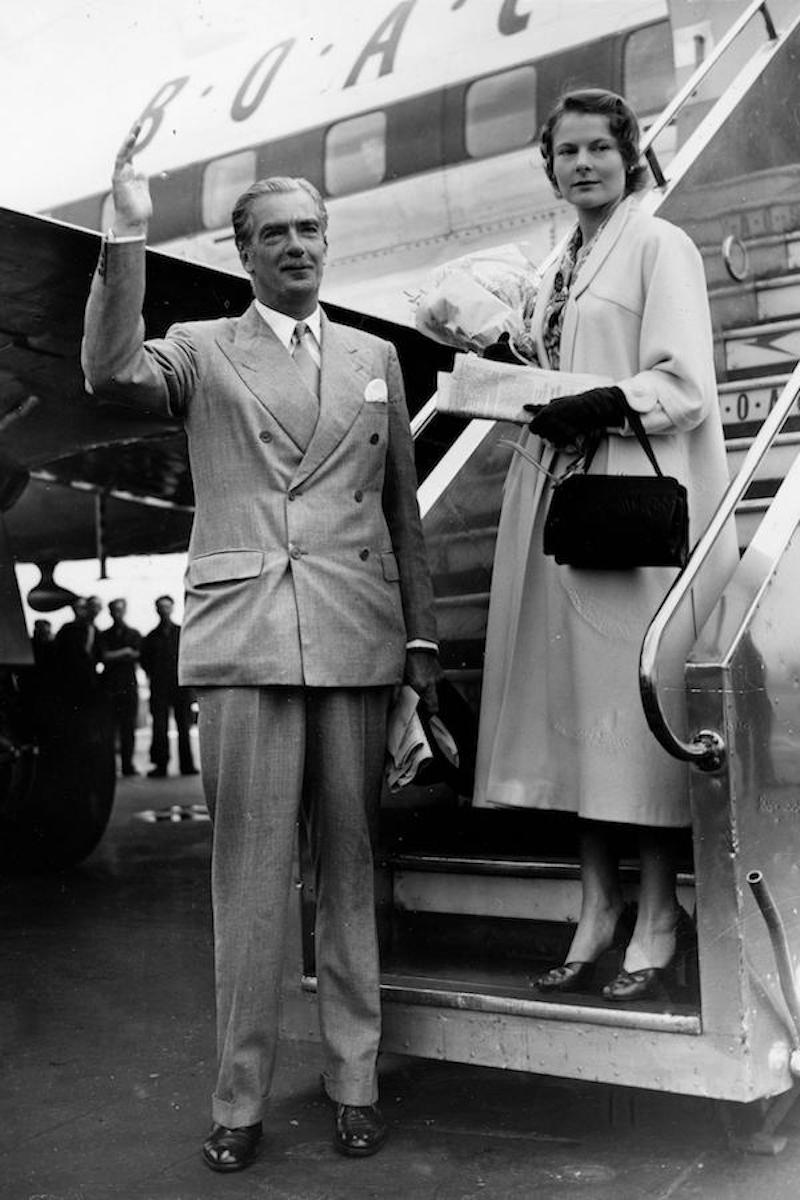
{"type": "Point", "coordinates": [283, 326]}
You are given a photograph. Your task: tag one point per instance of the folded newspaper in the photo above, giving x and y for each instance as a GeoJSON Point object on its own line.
{"type": "Point", "coordinates": [496, 391]}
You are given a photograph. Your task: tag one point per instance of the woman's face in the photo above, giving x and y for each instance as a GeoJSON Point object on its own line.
{"type": "Point", "coordinates": [587, 163]}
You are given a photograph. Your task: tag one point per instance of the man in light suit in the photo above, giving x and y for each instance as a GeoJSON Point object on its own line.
{"type": "Point", "coordinates": [308, 599]}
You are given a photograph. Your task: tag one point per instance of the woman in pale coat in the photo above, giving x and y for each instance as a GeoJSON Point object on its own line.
{"type": "Point", "coordinates": [562, 725]}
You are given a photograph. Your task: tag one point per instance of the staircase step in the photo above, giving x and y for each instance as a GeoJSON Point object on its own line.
{"type": "Point", "coordinates": [509, 888]}
{"type": "Point", "coordinates": [778, 298]}
{"type": "Point", "coordinates": [513, 999]}
{"type": "Point", "coordinates": [745, 403]}
{"type": "Point", "coordinates": [756, 349]}
{"type": "Point", "coordinates": [771, 254]}
{"type": "Point", "coordinates": [773, 467]}
{"type": "Point", "coordinates": [771, 298]}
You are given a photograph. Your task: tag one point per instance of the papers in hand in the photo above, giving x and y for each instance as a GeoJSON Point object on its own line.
{"type": "Point", "coordinates": [407, 747]}
{"type": "Point", "coordinates": [496, 391]}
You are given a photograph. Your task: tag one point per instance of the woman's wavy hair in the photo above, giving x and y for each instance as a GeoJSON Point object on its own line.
{"type": "Point", "coordinates": [622, 124]}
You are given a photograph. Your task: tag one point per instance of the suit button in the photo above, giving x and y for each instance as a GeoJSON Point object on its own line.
{"type": "Point", "coordinates": [374, 439]}
{"type": "Point", "coordinates": [295, 552]}
{"type": "Point", "coordinates": [358, 496]}
{"type": "Point", "coordinates": [363, 554]}
{"type": "Point", "coordinates": [265, 435]}
{"type": "Point", "coordinates": [292, 494]}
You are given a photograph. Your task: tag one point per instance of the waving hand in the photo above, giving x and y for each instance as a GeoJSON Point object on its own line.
{"type": "Point", "coordinates": [131, 191]}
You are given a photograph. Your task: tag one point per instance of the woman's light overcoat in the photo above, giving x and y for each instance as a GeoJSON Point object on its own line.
{"type": "Point", "coordinates": [562, 724]}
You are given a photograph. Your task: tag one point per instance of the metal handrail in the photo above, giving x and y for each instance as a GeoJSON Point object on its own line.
{"type": "Point", "coordinates": [692, 84]}
{"type": "Point", "coordinates": [707, 749]}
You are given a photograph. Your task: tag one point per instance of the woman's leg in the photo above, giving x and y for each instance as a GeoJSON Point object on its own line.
{"type": "Point", "coordinates": [653, 941]}
{"type": "Point", "coordinates": [601, 901]}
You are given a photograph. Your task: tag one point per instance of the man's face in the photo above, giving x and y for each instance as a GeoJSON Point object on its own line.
{"type": "Point", "coordinates": [286, 254]}
{"type": "Point", "coordinates": [164, 608]}
{"type": "Point", "coordinates": [94, 606]}
{"type": "Point", "coordinates": [117, 610]}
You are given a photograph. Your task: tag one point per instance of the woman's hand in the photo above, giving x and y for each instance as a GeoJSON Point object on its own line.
{"type": "Point", "coordinates": [567, 418]}
{"type": "Point", "coordinates": [133, 207]}
{"type": "Point", "coordinates": [503, 351]}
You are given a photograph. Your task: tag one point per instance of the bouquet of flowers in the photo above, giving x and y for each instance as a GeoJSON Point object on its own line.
{"type": "Point", "coordinates": [470, 302]}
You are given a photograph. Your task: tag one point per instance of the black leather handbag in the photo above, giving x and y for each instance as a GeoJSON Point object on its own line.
{"type": "Point", "coordinates": [618, 522]}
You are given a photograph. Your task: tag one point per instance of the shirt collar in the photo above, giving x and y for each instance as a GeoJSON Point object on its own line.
{"type": "Point", "coordinates": [283, 325]}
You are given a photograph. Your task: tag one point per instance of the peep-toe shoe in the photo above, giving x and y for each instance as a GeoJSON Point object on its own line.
{"type": "Point", "coordinates": [580, 976]}
{"type": "Point", "coordinates": [569, 977]}
{"type": "Point", "coordinates": [659, 983]}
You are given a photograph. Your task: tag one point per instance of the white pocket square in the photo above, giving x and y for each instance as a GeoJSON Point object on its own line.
{"type": "Point", "coordinates": [376, 392]}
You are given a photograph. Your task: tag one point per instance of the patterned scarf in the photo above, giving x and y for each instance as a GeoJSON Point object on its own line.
{"type": "Point", "coordinates": [573, 258]}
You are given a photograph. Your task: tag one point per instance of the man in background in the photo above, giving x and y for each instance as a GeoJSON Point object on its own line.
{"type": "Point", "coordinates": [43, 643]}
{"type": "Point", "coordinates": [159, 658]}
{"type": "Point", "coordinates": [119, 647]}
{"type": "Point", "coordinates": [76, 655]}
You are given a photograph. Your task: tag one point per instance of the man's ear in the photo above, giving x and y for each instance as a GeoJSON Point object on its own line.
{"type": "Point", "coordinates": [245, 258]}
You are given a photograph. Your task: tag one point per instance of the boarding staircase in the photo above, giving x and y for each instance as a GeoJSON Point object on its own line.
{"type": "Point", "coordinates": [476, 902]}
{"type": "Point", "coordinates": [473, 903]}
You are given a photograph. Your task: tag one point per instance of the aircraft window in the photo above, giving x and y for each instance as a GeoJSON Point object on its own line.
{"type": "Point", "coordinates": [224, 180]}
{"type": "Point", "coordinates": [355, 154]}
{"type": "Point", "coordinates": [649, 68]}
{"type": "Point", "coordinates": [501, 112]}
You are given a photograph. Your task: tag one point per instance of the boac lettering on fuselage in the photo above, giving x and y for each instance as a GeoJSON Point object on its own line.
{"type": "Point", "coordinates": [380, 51]}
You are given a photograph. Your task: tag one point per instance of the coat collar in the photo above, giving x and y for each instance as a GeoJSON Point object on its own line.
{"type": "Point", "coordinates": [607, 239]}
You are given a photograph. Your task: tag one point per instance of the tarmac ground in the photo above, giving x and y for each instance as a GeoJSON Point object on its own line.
{"type": "Point", "coordinates": [107, 1038]}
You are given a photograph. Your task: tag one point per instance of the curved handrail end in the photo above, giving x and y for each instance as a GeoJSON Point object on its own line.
{"type": "Point", "coordinates": [713, 758]}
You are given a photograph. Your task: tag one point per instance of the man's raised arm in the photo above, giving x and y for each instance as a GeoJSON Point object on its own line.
{"type": "Point", "coordinates": [117, 364]}
{"type": "Point", "coordinates": [130, 189]}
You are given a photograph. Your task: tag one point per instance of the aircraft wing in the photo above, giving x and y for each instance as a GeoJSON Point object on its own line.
{"type": "Point", "coordinates": [102, 476]}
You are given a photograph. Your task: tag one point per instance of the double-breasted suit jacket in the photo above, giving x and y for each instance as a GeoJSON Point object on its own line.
{"type": "Point", "coordinates": [306, 561]}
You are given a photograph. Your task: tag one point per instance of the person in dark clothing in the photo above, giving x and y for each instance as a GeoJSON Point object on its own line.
{"type": "Point", "coordinates": [119, 648]}
{"type": "Point", "coordinates": [159, 657]}
{"type": "Point", "coordinates": [42, 632]}
{"type": "Point", "coordinates": [76, 655]}
{"type": "Point", "coordinates": [43, 643]}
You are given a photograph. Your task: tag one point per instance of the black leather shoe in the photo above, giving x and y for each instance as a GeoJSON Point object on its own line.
{"type": "Point", "coordinates": [157, 773]}
{"type": "Point", "coordinates": [360, 1130]}
{"type": "Point", "coordinates": [231, 1149]}
{"type": "Point", "coordinates": [579, 976]}
{"type": "Point", "coordinates": [571, 977]}
{"type": "Point", "coordinates": [660, 983]}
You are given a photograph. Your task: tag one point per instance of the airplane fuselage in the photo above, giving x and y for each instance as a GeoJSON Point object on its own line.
{"type": "Point", "coordinates": [418, 126]}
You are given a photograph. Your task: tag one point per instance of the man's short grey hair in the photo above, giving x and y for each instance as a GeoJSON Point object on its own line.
{"type": "Point", "coordinates": [242, 215]}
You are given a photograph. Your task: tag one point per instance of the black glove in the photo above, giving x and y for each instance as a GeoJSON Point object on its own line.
{"type": "Point", "coordinates": [567, 418]}
{"type": "Point", "coordinates": [501, 351]}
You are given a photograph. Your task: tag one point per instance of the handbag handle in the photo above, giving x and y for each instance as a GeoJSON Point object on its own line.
{"type": "Point", "coordinates": [635, 422]}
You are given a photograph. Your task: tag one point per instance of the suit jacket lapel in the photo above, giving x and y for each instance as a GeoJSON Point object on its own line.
{"type": "Point", "coordinates": [263, 365]}
{"type": "Point", "coordinates": [343, 378]}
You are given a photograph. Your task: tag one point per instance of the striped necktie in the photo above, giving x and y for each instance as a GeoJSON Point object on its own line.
{"type": "Point", "coordinates": [303, 360]}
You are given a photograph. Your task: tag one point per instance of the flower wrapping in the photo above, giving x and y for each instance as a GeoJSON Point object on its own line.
{"type": "Point", "coordinates": [469, 302]}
